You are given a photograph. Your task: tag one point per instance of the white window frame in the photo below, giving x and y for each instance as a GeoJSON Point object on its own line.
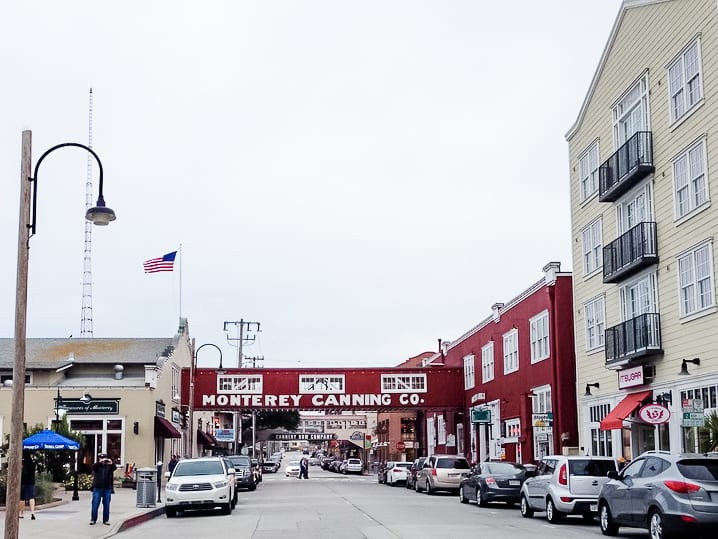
{"type": "Point", "coordinates": [588, 166]}
{"type": "Point", "coordinates": [696, 280]}
{"type": "Point", "coordinates": [540, 345]}
{"type": "Point", "coordinates": [315, 384]}
{"type": "Point", "coordinates": [630, 113]}
{"type": "Point", "coordinates": [511, 351]}
{"type": "Point", "coordinates": [595, 315]}
{"type": "Point", "coordinates": [635, 207]}
{"type": "Point", "coordinates": [685, 81]}
{"type": "Point", "coordinates": [639, 296]}
{"type": "Point", "coordinates": [236, 384]}
{"type": "Point", "coordinates": [690, 180]}
{"type": "Point", "coordinates": [175, 382]}
{"type": "Point", "coordinates": [469, 378]}
{"type": "Point", "coordinates": [487, 362]}
{"type": "Point", "coordinates": [512, 429]}
{"type": "Point", "coordinates": [403, 383]}
{"type": "Point", "coordinates": [592, 242]}
{"type": "Point", "coordinates": [541, 399]}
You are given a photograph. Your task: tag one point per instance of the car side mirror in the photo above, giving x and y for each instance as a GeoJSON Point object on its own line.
{"type": "Point", "coordinates": [613, 474]}
{"type": "Point", "coordinates": [231, 471]}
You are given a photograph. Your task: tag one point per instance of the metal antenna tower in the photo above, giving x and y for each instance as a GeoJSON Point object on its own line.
{"type": "Point", "coordinates": [86, 317]}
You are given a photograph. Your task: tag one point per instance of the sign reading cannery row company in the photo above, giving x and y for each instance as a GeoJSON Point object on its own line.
{"type": "Point", "coordinates": [323, 388]}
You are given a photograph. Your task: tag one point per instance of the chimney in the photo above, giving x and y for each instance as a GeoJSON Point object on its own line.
{"type": "Point", "coordinates": [550, 270]}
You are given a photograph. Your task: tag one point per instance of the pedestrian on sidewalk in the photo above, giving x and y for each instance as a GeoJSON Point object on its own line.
{"type": "Point", "coordinates": [27, 484]}
{"type": "Point", "coordinates": [102, 485]}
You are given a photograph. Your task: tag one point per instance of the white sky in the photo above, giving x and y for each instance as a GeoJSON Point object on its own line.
{"type": "Point", "coordinates": [362, 178]}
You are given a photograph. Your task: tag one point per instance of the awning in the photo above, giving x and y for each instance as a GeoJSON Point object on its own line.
{"type": "Point", "coordinates": [165, 429]}
{"type": "Point", "coordinates": [206, 439]}
{"type": "Point", "coordinates": [614, 419]}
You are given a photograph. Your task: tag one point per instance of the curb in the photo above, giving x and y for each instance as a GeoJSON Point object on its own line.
{"type": "Point", "coordinates": [135, 520]}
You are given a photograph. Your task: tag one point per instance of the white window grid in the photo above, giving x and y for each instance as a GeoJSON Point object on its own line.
{"type": "Point", "coordinates": [313, 384]}
{"type": "Point", "coordinates": [403, 383]}
{"type": "Point", "coordinates": [690, 180]}
{"type": "Point", "coordinates": [588, 170]}
{"type": "Point", "coordinates": [240, 384]}
{"type": "Point", "coordinates": [630, 114]}
{"type": "Point", "coordinates": [175, 382]}
{"type": "Point", "coordinates": [695, 274]}
{"type": "Point", "coordinates": [635, 208]}
{"type": "Point", "coordinates": [595, 323]}
{"type": "Point", "coordinates": [511, 351]}
{"type": "Point", "coordinates": [541, 400]}
{"type": "Point", "coordinates": [469, 372]}
{"type": "Point", "coordinates": [685, 81]}
{"type": "Point", "coordinates": [592, 247]}
{"type": "Point", "coordinates": [639, 296]}
{"type": "Point", "coordinates": [601, 440]}
{"type": "Point", "coordinates": [487, 362]}
{"type": "Point", "coordinates": [512, 428]}
{"type": "Point", "coordinates": [539, 337]}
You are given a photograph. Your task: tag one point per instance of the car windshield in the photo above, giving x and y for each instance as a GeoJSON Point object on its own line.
{"type": "Point", "coordinates": [239, 461]}
{"type": "Point", "coordinates": [503, 468]}
{"type": "Point", "coordinates": [458, 464]}
{"type": "Point", "coordinates": [591, 467]}
{"type": "Point", "coordinates": [294, 463]}
{"type": "Point", "coordinates": [699, 470]}
{"type": "Point", "coordinates": [200, 467]}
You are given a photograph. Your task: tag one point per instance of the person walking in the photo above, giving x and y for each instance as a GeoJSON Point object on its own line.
{"type": "Point", "coordinates": [27, 484]}
{"type": "Point", "coordinates": [304, 468]}
{"type": "Point", "coordinates": [173, 463]}
{"type": "Point", "coordinates": [102, 485]}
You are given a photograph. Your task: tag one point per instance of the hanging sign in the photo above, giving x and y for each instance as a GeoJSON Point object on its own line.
{"type": "Point", "coordinates": [654, 414]}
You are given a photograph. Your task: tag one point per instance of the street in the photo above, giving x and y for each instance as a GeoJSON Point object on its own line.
{"type": "Point", "coordinates": [332, 505]}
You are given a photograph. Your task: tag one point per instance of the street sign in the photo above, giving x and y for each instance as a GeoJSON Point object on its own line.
{"type": "Point", "coordinates": [400, 446]}
{"type": "Point", "coordinates": [480, 415]}
{"type": "Point", "coordinates": [693, 415]}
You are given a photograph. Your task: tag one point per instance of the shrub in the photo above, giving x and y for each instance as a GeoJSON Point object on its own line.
{"type": "Point", "coordinates": [84, 482]}
{"type": "Point", "coordinates": [44, 489]}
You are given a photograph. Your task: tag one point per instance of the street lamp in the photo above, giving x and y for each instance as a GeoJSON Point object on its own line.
{"type": "Point", "coordinates": [99, 215]}
{"type": "Point", "coordinates": [220, 370]}
{"type": "Point", "coordinates": [60, 409]}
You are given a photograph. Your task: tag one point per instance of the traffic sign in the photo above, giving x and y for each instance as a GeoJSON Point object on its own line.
{"type": "Point", "coordinates": [400, 446]}
{"type": "Point", "coordinates": [480, 415]}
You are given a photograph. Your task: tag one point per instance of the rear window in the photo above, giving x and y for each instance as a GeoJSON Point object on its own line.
{"type": "Point", "coordinates": [699, 470]}
{"type": "Point", "coordinates": [503, 468]}
{"type": "Point", "coordinates": [458, 464]}
{"type": "Point", "coordinates": [354, 461]}
{"type": "Point", "coordinates": [402, 464]}
{"type": "Point", "coordinates": [239, 461]}
{"type": "Point", "coordinates": [590, 467]}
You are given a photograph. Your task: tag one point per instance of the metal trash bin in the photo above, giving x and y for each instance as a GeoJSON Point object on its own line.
{"type": "Point", "coordinates": [146, 487]}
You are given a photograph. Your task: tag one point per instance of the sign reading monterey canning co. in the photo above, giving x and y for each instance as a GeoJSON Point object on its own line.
{"type": "Point", "coordinates": [94, 407]}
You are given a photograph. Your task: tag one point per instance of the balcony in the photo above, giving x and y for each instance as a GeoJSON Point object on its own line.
{"type": "Point", "coordinates": [631, 252]}
{"type": "Point", "coordinates": [639, 337]}
{"type": "Point", "coordinates": [631, 163]}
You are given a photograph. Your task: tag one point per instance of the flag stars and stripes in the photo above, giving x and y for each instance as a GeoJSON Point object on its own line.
{"type": "Point", "coordinates": [165, 263]}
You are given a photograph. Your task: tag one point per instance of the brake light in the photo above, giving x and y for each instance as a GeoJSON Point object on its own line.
{"type": "Point", "coordinates": [681, 487]}
{"type": "Point", "coordinates": [490, 481]}
{"type": "Point", "coordinates": [566, 499]}
{"type": "Point", "coordinates": [688, 518]}
{"type": "Point", "coordinates": [563, 475]}
{"type": "Point", "coordinates": [396, 470]}
{"type": "Point", "coordinates": [433, 472]}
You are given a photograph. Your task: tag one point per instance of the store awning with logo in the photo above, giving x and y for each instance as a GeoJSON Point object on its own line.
{"type": "Point", "coordinates": [165, 429]}
{"type": "Point", "coordinates": [614, 419]}
{"type": "Point", "coordinates": [206, 439]}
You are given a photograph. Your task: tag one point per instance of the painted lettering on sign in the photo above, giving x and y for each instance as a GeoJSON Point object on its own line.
{"type": "Point", "coordinates": [655, 414]}
{"type": "Point", "coordinates": [630, 377]}
{"type": "Point", "coordinates": [298, 401]}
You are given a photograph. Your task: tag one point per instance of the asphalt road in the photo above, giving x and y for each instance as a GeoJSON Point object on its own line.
{"type": "Point", "coordinates": [330, 505]}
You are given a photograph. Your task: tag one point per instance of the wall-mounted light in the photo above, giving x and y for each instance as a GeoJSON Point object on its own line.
{"type": "Point", "coordinates": [588, 388]}
{"type": "Point", "coordinates": [86, 398]}
{"type": "Point", "coordinates": [136, 427]}
{"type": "Point", "coordinates": [684, 365]}
{"type": "Point", "coordinates": [664, 399]}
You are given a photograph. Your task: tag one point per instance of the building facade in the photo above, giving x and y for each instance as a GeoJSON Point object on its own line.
{"type": "Point", "coordinates": [643, 228]}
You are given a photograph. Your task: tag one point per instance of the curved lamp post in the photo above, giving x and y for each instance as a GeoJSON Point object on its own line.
{"type": "Point", "coordinates": [220, 370]}
{"type": "Point", "coordinates": [99, 215]}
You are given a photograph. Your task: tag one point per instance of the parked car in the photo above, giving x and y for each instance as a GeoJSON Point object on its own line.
{"type": "Point", "coordinates": [202, 483]}
{"type": "Point", "coordinates": [335, 465]}
{"type": "Point", "coordinates": [566, 485]}
{"type": "Point", "coordinates": [342, 466]}
{"type": "Point", "coordinates": [292, 469]}
{"type": "Point", "coordinates": [353, 466]}
{"type": "Point", "coordinates": [270, 466]}
{"type": "Point", "coordinates": [441, 472]}
{"type": "Point", "coordinates": [397, 473]}
{"type": "Point", "coordinates": [412, 471]}
{"type": "Point", "coordinates": [493, 482]}
{"type": "Point", "coordinates": [670, 494]}
{"type": "Point", "coordinates": [244, 475]}
{"type": "Point", "coordinates": [327, 463]}
{"type": "Point", "coordinates": [381, 471]}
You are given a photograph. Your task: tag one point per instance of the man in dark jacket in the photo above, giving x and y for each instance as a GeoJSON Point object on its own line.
{"type": "Point", "coordinates": [102, 483]}
{"type": "Point", "coordinates": [27, 484]}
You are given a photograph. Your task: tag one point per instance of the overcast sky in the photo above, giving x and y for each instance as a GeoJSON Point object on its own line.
{"type": "Point", "coordinates": [362, 178]}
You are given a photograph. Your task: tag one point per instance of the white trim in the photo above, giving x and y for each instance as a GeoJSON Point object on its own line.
{"type": "Point", "coordinates": [690, 253]}
{"type": "Point", "coordinates": [511, 337]}
{"type": "Point", "coordinates": [535, 323]}
{"type": "Point", "coordinates": [469, 372]}
{"type": "Point", "coordinates": [684, 154]}
{"type": "Point", "coordinates": [680, 57]}
{"type": "Point", "coordinates": [488, 362]}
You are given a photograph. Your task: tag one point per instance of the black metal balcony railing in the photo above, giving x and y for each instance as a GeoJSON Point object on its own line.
{"type": "Point", "coordinates": [632, 162]}
{"type": "Point", "coordinates": [632, 251]}
{"type": "Point", "coordinates": [634, 338]}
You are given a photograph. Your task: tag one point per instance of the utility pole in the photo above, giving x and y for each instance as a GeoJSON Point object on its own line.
{"type": "Point", "coordinates": [246, 333]}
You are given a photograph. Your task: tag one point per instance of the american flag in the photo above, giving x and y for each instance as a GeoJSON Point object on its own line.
{"type": "Point", "coordinates": [166, 263]}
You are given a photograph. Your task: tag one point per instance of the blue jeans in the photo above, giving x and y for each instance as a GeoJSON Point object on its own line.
{"type": "Point", "coordinates": [101, 494]}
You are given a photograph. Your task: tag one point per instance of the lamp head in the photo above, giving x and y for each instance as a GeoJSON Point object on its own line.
{"type": "Point", "coordinates": [86, 398]}
{"type": "Point", "coordinates": [100, 215]}
{"type": "Point", "coordinates": [684, 365]}
{"type": "Point", "coordinates": [588, 388]}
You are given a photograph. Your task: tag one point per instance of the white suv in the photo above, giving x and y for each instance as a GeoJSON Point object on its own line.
{"type": "Point", "coordinates": [566, 485]}
{"type": "Point", "coordinates": [202, 483]}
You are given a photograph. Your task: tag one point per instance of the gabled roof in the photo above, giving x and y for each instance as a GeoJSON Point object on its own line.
{"type": "Point", "coordinates": [54, 353]}
{"type": "Point", "coordinates": [627, 4]}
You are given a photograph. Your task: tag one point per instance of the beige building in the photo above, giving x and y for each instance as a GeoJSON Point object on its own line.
{"type": "Point", "coordinates": [642, 160]}
{"type": "Point", "coordinates": [122, 395]}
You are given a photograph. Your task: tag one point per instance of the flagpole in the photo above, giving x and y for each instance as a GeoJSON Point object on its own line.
{"type": "Point", "coordinates": [180, 283]}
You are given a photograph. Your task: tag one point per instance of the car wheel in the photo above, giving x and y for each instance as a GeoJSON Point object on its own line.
{"type": "Point", "coordinates": [552, 514]}
{"type": "Point", "coordinates": [462, 498]}
{"type": "Point", "coordinates": [417, 488]}
{"type": "Point", "coordinates": [253, 487]}
{"type": "Point", "coordinates": [608, 527]}
{"type": "Point", "coordinates": [170, 512]}
{"type": "Point", "coordinates": [525, 508]}
{"type": "Point", "coordinates": [657, 526]}
{"type": "Point", "coordinates": [429, 490]}
{"type": "Point", "coordinates": [227, 508]}
{"type": "Point", "coordinates": [480, 501]}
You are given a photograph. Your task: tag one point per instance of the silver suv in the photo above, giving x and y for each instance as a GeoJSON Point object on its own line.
{"type": "Point", "coordinates": [670, 494]}
{"type": "Point", "coordinates": [441, 472]}
{"type": "Point", "coordinates": [566, 485]}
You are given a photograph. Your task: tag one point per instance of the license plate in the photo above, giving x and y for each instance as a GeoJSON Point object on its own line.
{"type": "Point", "coordinates": [514, 483]}
{"type": "Point", "coordinates": [453, 475]}
{"type": "Point", "coordinates": [593, 507]}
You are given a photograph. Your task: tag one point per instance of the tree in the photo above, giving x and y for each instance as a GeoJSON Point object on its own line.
{"type": "Point", "coordinates": [708, 434]}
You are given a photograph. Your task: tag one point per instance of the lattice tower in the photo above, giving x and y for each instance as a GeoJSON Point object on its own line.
{"type": "Point", "coordinates": [86, 317]}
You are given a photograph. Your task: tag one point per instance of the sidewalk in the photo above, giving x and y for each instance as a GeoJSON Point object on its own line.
{"type": "Point", "coordinates": [68, 518]}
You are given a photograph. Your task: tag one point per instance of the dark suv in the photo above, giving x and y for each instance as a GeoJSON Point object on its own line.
{"type": "Point", "coordinates": [417, 465]}
{"type": "Point", "coordinates": [670, 494]}
{"type": "Point", "coordinates": [244, 476]}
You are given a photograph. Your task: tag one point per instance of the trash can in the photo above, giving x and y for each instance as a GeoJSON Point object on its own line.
{"type": "Point", "coordinates": [146, 487]}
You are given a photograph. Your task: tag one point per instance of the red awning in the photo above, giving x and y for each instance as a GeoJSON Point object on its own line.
{"type": "Point", "coordinates": [614, 420]}
{"type": "Point", "coordinates": [165, 429]}
{"type": "Point", "coordinates": [206, 439]}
